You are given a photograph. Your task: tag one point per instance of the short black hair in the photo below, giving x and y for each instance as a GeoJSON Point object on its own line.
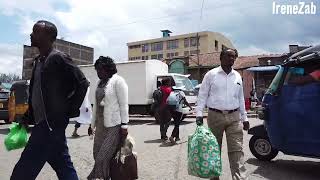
{"type": "Point", "coordinates": [50, 28]}
{"type": "Point", "coordinates": [224, 52]}
{"type": "Point", "coordinates": [106, 63]}
{"type": "Point", "coordinates": [166, 82]}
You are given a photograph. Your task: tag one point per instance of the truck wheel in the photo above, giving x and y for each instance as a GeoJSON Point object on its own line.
{"type": "Point", "coordinates": [261, 148]}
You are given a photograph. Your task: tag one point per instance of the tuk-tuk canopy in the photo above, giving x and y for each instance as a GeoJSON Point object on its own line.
{"type": "Point", "coordinates": [21, 92]}
{"type": "Point", "coordinates": [309, 54]}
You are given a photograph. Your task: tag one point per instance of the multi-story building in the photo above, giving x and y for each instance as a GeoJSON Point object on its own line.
{"type": "Point", "coordinates": [80, 54]}
{"type": "Point", "coordinates": [169, 47]}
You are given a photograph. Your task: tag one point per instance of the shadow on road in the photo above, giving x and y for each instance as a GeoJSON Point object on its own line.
{"type": "Point", "coordinates": [80, 136]}
{"type": "Point", "coordinates": [134, 122]}
{"type": "Point", "coordinates": [287, 169]}
{"type": "Point", "coordinates": [153, 141]}
{"type": "Point", "coordinates": [171, 123]}
{"type": "Point", "coordinates": [3, 123]}
{"type": "Point", "coordinates": [4, 131]}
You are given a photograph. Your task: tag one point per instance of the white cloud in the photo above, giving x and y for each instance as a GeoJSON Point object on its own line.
{"type": "Point", "coordinates": [11, 58]}
{"type": "Point", "coordinates": [109, 25]}
{"type": "Point", "coordinates": [105, 25]}
{"type": "Point", "coordinates": [253, 50]}
{"type": "Point", "coordinates": [12, 7]}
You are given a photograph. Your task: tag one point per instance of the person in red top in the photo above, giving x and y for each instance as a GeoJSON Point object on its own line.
{"type": "Point", "coordinates": [315, 75]}
{"type": "Point", "coordinates": [310, 78]}
{"type": "Point", "coordinates": [164, 112]}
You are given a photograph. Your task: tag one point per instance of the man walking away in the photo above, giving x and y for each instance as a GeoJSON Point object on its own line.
{"type": "Point", "coordinates": [222, 92]}
{"type": "Point", "coordinates": [177, 113]}
{"type": "Point", "coordinates": [57, 89]}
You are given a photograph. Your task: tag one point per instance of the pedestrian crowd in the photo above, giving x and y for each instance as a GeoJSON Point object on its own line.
{"type": "Point", "coordinates": [59, 91]}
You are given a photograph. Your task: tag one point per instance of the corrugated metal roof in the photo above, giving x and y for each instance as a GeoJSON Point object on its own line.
{"type": "Point", "coordinates": [263, 68]}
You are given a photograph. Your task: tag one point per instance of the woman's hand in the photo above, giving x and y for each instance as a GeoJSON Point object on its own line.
{"type": "Point", "coordinates": [123, 135]}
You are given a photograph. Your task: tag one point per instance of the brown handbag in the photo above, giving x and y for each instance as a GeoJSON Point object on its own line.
{"type": "Point", "coordinates": [124, 171]}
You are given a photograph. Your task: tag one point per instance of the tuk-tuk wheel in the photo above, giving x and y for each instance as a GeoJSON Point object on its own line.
{"type": "Point", "coordinates": [261, 148]}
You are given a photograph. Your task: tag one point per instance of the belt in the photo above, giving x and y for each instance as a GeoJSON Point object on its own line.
{"type": "Point", "coordinates": [223, 112]}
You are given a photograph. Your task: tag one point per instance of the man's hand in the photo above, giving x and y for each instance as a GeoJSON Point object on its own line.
{"type": "Point", "coordinates": [199, 121]}
{"type": "Point", "coordinates": [246, 125]}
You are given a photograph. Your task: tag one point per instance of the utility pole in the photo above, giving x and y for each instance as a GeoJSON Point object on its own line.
{"type": "Point", "coordinates": [198, 63]}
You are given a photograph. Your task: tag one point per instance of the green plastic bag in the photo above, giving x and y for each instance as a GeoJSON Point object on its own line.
{"type": "Point", "coordinates": [203, 154]}
{"type": "Point", "coordinates": [17, 137]}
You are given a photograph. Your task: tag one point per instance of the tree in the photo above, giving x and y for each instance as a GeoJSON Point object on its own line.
{"type": "Point", "coordinates": [9, 78]}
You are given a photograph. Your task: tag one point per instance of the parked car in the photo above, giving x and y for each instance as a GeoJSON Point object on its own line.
{"type": "Point", "coordinates": [290, 111]}
{"type": "Point", "coordinates": [4, 97]}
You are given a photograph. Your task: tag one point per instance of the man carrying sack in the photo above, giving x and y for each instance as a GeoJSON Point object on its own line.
{"type": "Point", "coordinates": [222, 92]}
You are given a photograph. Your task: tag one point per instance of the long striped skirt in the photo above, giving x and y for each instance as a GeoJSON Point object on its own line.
{"type": "Point", "coordinates": [105, 145]}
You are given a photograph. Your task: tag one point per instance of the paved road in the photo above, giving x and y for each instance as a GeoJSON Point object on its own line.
{"type": "Point", "coordinates": [163, 162]}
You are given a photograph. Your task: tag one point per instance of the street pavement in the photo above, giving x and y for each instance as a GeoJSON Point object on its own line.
{"type": "Point", "coordinates": [163, 161]}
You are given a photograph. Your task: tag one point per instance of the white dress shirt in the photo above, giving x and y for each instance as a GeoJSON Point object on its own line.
{"type": "Point", "coordinates": [221, 91]}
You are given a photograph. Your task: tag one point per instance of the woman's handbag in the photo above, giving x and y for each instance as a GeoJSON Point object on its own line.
{"type": "Point", "coordinates": [124, 164]}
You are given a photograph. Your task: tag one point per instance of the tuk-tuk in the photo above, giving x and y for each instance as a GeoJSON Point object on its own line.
{"type": "Point", "coordinates": [18, 100]}
{"type": "Point", "coordinates": [290, 111]}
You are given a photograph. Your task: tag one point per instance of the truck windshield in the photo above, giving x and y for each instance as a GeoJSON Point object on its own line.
{"type": "Point", "coordinates": [183, 82]}
{"type": "Point", "coordinates": [275, 82]}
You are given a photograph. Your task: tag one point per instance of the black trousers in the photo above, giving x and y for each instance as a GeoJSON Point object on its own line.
{"type": "Point", "coordinates": [45, 146]}
{"type": "Point", "coordinates": [166, 114]}
{"type": "Point", "coordinates": [177, 117]}
{"type": "Point", "coordinates": [77, 125]}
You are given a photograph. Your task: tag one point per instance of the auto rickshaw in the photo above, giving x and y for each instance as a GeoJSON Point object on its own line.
{"type": "Point", "coordinates": [290, 112]}
{"type": "Point", "coordinates": [18, 100]}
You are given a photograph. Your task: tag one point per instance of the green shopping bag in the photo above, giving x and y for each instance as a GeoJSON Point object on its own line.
{"type": "Point", "coordinates": [203, 154]}
{"type": "Point", "coordinates": [17, 137]}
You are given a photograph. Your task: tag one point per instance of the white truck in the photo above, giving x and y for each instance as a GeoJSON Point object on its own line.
{"type": "Point", "coordinates": [142, 77]}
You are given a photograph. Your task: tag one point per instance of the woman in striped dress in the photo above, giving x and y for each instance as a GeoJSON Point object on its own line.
{"type": "Point", "coordinates": [110, 116]}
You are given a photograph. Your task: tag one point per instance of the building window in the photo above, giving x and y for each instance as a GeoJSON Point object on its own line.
{"type": "Point", "coordinates": [158, 46]}
{"type": "Point", "coordinates": [186, 42]}
{"type": "Point", "coordinates": [145, 48]}
{"type": "Point", "coordinates": [160, 56]}
{"type": "Point", "coordinates": [170, 55]}
{"type": "Point", "coordinates": [176, 54]}
{"type": "Point", "coordinates": [154, 56]}
{"type": "Point", "coordinates": [134, 46]}
{"type": "Point", "coordinates": [186, 53]}
{"type": "Point", "coordinates": [142, 57]}
{"type": "Point", "coordinates": [173, 44]}
{"type": "Point", "coordinates": [216, 45]}
{"type": "Point", "coordinates": [194, 52]}
{"type": "Point", "coordinates": [146, 58]}
{"type": "Point", "coordinates": [193, 41]}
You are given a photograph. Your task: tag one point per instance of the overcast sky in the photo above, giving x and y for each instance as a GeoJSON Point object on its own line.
{"type": "Point", "coordinates": [107, 25]}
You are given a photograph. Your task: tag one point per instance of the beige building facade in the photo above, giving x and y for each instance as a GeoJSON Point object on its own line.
{"type": "Point", "coordinates": [80, 54]}
{"type": "Point", "coordinates": [169, 47]}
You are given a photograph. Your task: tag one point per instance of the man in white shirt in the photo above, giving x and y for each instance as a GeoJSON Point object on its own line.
{"type": "Point", "coordinates": [222, 92]}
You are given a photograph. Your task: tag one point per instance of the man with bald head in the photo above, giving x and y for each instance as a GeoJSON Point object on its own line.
{"type": "Point", "coordinates": [222, 92]}
{"type": "Point", "coordinates": [57, 89]}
